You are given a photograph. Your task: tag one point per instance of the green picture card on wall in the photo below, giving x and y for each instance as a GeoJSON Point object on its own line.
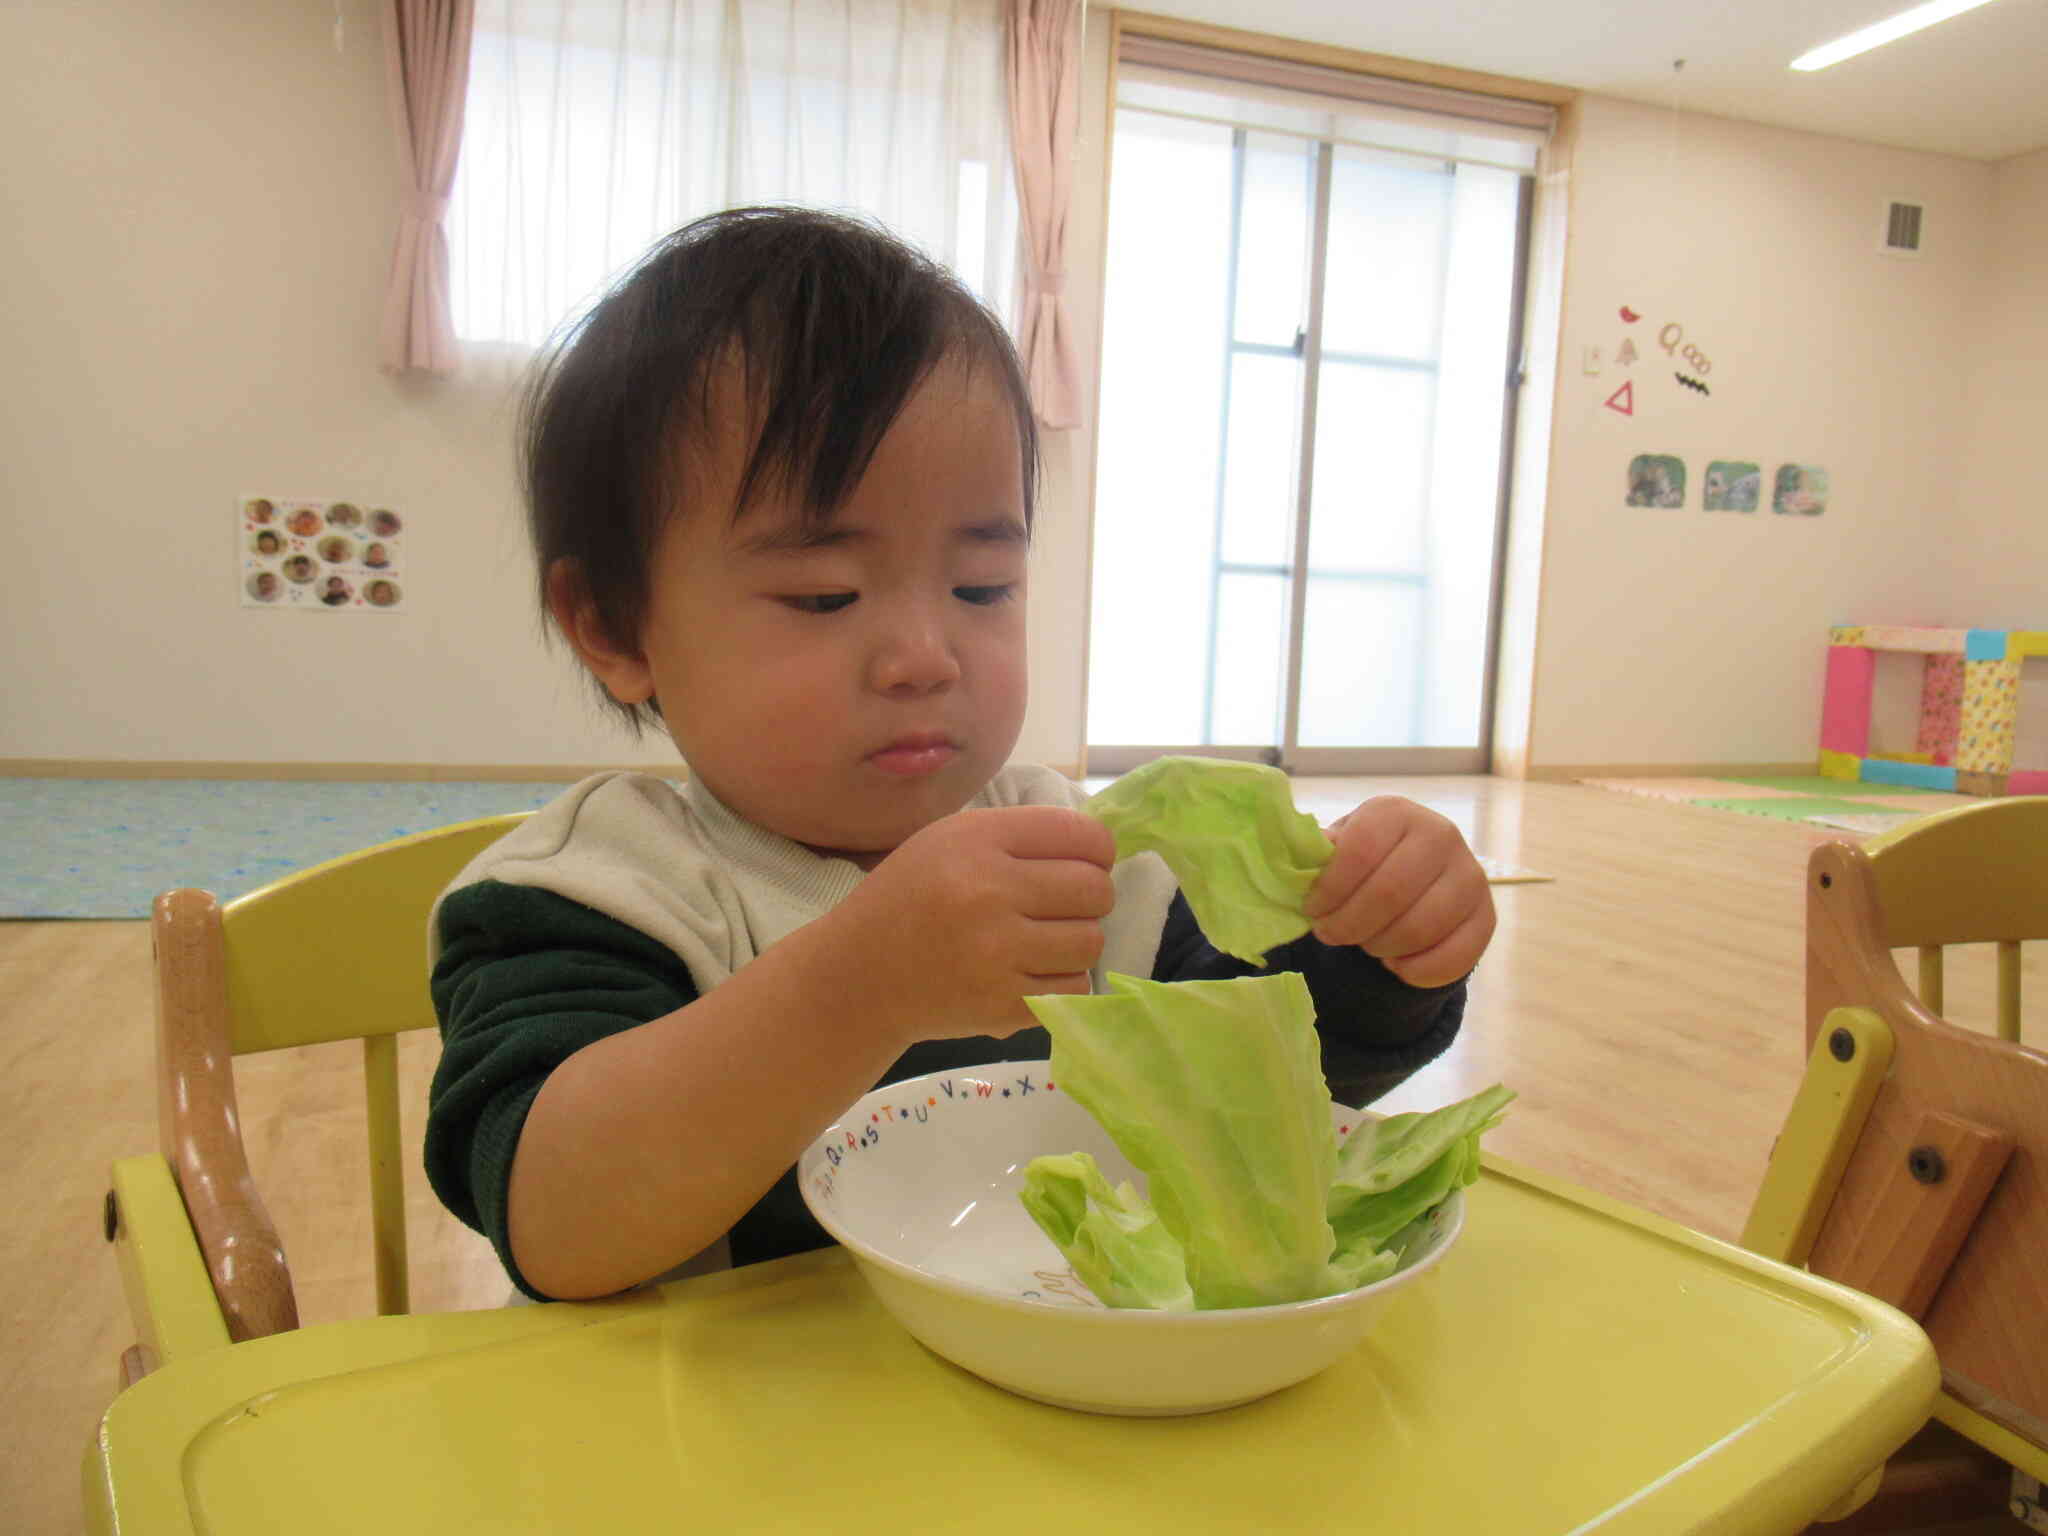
{"type": "Point", "coordinates": [1656, 480]}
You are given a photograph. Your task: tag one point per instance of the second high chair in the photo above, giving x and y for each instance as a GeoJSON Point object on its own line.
{"type": "Point", "coordinates": [1913, 1164]}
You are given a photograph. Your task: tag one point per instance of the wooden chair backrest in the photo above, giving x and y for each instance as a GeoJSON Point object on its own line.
{"type": "Point", "coordinates": [1977, 874]}
{"type": "Point", "coordinates": [1943, 1206]}
{"type": "Point", "coordinates": [335, 952]}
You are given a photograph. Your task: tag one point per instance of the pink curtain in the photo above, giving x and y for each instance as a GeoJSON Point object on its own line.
{"type": "Point", "coordinates": [427, 57]}
{"type": "Point", "coordinates": [1044, 70]}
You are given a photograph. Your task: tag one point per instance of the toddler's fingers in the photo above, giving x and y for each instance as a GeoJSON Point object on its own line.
{"type": "Point", "coordinates": [1060, 947]}
{"type": "Point", "coordinates": [1073, 983]}
{"type": "Point", "coordinates": [1434, 915]}
{"type": "Point", "coordinates": [1053, 832]}
{"type": "Point", "coordinates": [1019, 1017]}
{"type": "Point", "coordinates": [1444, 963]}
{"type": "Point", "coordinates": [1056, 889]}
{"type": "Point", "coordinates": [1364, 838]}
{"type": "Point", "coordinates": [1392, 888]}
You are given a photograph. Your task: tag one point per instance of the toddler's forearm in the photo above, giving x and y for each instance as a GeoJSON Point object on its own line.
{"type": "Point", "coordinates": [646, 1146]}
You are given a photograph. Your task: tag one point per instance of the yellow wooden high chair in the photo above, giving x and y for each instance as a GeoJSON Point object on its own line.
{"type": "Point", "coordinates": [337, 952]}
{"type": "Point", "coordinates": [1913, 1164]}
{"type": "Point", "coordinates": [1573, 1365]}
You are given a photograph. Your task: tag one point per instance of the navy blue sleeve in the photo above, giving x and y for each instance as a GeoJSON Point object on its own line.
{"type": "Point", "coordinates": [1377, 1031]}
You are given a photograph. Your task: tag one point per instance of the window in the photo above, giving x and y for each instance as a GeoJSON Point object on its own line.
{"type": "Point", "coordinates": [594, 127]}
{"type": "Point", "coordinates": [1309, 339]}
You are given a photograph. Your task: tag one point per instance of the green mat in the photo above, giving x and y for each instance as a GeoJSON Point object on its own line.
{"type": "Point", "coordinates": [1814, 785]}
{"type": "Point", "coordinates": [1798, 808]}
{"type": "Point", "coordinates": [1808, 799]}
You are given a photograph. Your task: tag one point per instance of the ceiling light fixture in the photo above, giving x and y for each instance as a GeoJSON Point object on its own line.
{"type": "Point", "coordinates": [1880, 33]}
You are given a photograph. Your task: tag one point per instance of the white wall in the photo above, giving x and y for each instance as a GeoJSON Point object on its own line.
{"type": "Point", "coordinates": [212, 207]}
{"type": "Point", "coordinates": [2001, 500]}
{"type": "Point", "coordinates": [204, 206]}
{"type": "Point", "coordinates": [203, 203]}
{"type": "Point", "coordinates": [1688, 637]}
{"type": "Point", "coordinates": [2001, 503]}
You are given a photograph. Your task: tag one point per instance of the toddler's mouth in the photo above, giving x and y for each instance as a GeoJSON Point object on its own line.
{"type": "Point", "coordinates": [915, 756]}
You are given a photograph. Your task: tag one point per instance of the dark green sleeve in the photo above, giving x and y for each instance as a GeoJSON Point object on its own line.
{"type": "Point", "coordinates": [1376, 1030]}
{"type": "Point", "coordinates": [525, 979]}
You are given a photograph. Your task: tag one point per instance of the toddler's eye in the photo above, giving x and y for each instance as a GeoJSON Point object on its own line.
{"type": "Point", "coordinates": [820, 602]}
{"type": "Point", "coordinates": [986, 597]}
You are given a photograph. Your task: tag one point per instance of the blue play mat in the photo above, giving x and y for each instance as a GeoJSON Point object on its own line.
{"type": "Point", "coordinates": [101, 848]}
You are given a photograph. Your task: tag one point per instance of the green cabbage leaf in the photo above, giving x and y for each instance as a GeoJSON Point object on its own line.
{"type": "Point", "coordinates": [1113, 1239]}
{"type": "Point", "coordinates": [1394, 1171]}
{"type": "Point", "coordinates": [1214, 1091]}
{"type": "Point", "coordinates": [1244, 856]}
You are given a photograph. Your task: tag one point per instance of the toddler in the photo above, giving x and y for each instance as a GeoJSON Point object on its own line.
{"type": "Point", "coordinates": [780, 483]}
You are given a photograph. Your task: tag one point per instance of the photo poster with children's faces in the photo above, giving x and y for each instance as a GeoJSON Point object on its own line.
{"type": "Point", "coordinates": [338, 556]}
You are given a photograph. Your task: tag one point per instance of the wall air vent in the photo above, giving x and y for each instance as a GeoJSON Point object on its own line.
{"type": "Point", "coordinates": [1902, 229]}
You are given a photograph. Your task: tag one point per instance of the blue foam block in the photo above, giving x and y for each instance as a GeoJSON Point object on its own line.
{"type": "Point", "coordinates": [1912, 775]}
{"type": "Point", "coordinates": [1984, 645]}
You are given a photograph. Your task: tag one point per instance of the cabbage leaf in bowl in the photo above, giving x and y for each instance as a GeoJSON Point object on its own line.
{"type": "Point", "coordinates": [1214, 1090]}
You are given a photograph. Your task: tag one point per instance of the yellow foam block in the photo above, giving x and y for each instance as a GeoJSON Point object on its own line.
{"type": "Point", "coordinates": [1991, 698]}
{"type": "Point", "coordinates": [1907, 637]}
{"type": "Point", "coordinates": [2027, 642]}
{"type": "Point", "coordinates": [1904, 757]}
{"type": "Point", "coordinates": [1840, 765]}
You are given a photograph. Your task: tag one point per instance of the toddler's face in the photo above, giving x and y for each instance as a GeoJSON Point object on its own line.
{"type": "Point", "coordinates": [848, 688]}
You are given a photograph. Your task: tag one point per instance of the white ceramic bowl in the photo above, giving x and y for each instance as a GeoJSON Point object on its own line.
{"type": "Point", "coordinates": [919, 1182]}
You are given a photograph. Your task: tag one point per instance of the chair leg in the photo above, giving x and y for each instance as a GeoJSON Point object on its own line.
{"type": "Point", "coordinates": [1936, 1480]}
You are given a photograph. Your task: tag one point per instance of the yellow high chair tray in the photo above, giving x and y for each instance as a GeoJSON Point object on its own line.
{"type": "Point", "coordinates": [1573, 1365]}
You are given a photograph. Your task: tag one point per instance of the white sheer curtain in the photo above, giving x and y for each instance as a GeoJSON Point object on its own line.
{"type": "Point", "coordinates": [594, 127]}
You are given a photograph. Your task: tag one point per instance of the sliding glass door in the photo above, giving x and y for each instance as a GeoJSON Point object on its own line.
{"type": "Point", "coordinates": [1308, 364]}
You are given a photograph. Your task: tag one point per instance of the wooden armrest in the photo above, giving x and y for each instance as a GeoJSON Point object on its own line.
{"type": "Point", "coordinates": [170, 1294]}
{"type": "Point", "coordinates": [198, 1124]}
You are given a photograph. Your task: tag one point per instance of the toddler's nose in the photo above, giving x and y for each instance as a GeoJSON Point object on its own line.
{"type": "Point", "coordinates": [916, 656]}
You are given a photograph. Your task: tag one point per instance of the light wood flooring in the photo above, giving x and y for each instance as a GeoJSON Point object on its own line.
{"type": "Point", "coordinates": [1645, 1006]}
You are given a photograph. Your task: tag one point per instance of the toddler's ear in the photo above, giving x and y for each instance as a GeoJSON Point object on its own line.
{"type": "Point", "coordinates": [624, 673]}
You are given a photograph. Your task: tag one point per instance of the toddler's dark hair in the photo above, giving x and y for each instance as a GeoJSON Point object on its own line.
{"type": "Point", "coordinates": [835, 321]}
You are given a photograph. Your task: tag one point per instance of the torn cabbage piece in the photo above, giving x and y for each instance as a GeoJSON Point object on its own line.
{"type": "Point", "coordinates": [1244, 856]}
{"type": "Point", "coordinates": [1214, 1091]}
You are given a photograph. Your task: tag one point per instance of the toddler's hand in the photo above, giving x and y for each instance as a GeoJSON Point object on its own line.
{"type": "Point", "coordinates": [977, 912]}
{"type": "Point", "coordinates": [1403, 887]}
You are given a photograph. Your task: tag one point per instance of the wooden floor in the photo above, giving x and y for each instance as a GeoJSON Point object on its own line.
{"type": "Point", "coordinates": [1645, 1006]}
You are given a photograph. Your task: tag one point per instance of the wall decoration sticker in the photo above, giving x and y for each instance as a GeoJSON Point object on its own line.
{"type": "Point", "coordinates": [1730, 485]}
{"type": "Point", "coordinates": [1689, 375]}
{"type": "Point", "coordinates": [1801, 489]}
{"type": "Point", "coordinates": [297, 553]}
{"type": "Point", "coordinates": [1656, 480]}
{"type": "Point", "coordinates": [1672, 340]}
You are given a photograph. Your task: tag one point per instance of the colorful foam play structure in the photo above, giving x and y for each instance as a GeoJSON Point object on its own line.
{"type": "Point", "coordinates": [1969, 708]}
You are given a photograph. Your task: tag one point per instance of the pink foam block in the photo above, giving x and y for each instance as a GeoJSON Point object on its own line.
{"type": "Point", "coordinates": [1845, 707]}
{"type": "Point", "coordinates": [2029, 781]}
